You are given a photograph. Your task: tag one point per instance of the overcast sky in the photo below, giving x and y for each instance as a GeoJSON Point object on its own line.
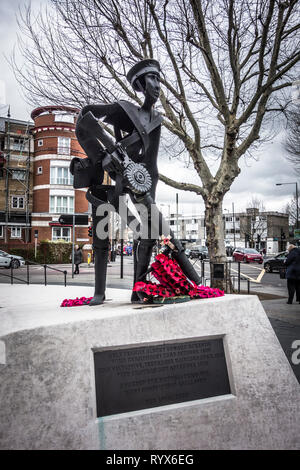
{"type": "Point", "coordinates": [257, 178]}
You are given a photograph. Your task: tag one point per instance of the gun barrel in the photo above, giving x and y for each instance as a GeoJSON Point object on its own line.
{"type": "Point", "coordinates": [105, 139]}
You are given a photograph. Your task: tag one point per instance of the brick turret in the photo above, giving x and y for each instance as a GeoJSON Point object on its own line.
{"type": "Point", "coordinates": [55, 145]}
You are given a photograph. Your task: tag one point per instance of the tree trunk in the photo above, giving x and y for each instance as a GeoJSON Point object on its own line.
{"type": "Point", "coordinates": [215, 239]}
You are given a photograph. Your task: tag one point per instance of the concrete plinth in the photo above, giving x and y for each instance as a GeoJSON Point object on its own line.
{"type": "Point", "coordinates": [47, 377]}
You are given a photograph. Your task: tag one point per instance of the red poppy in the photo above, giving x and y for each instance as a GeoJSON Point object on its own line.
{"type": "Point", "coordinates": [173, 282]}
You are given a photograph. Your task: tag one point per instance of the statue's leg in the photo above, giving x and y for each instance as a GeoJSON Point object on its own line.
{"type": "Point", "coordinates": [142, 257]}
{"type": "Point", "coordinates": [100, 263]}
{"type": "Point", "coordinates": [183, 261]}
{"type": "Point", "coordinates": [101, 250]}
{"type": "Point", "coordinates": [158, 225]}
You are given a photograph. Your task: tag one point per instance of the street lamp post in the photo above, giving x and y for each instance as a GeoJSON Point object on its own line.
{"type": "Point", "coordinates": [233, 220]}
{"type": "Point", "coordinates": [161, 205]}
{"type": "Point", "coordinates": [224, 209]}
{"type": "Point", "coordinates": [177, 223]}
{"type": "Point", "coordinates": [297, 206]}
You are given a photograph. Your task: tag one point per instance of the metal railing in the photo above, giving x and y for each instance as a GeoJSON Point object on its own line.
{"type": "Point", "coordinates": [27, 281]}
{"type": "Point", "coordinates": [231, 279]}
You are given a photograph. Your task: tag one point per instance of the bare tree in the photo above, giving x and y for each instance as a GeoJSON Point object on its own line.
{"type": "Point", "coordinates": [292, 209]}
{"type": "Point", "coordinates": [226, 67]}
{"type": "Point", "coordinates": [292, 143]}
{"type": "Point", "coordinates": [254, 224]}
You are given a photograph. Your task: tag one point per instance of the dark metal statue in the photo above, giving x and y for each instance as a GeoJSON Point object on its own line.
{"type": "Point", "coordinates": [131, 161]}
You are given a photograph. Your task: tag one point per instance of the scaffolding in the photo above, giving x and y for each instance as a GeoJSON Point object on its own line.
{"type": "Point", "coordinates": [11, 172]}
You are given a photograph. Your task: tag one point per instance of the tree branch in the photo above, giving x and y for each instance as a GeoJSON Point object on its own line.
{"type": "Point", "coordinates": [183, 186]}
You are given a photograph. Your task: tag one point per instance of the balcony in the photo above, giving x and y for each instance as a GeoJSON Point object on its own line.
{"type": "Point", "coordinates": [63, 181]}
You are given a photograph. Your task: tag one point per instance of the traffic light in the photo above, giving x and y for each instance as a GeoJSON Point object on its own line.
{"type": "Point", "coordinates": [282, 235]}
{"type": "Point", "coordinates": [258, 238]}
{"type": "Point", "coordinates": [90, 231]}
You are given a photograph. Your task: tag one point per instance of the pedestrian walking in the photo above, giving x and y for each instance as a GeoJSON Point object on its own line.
{"type": "Point", "coordinates": [77, 258]}
{"type": "Point", "coordinates": [292, 264]}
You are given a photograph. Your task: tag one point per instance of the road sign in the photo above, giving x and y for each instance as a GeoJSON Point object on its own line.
{"type": "Point", "coordinates": [67, 219]}
{"type": "Point", "coordinates": [297, 233]}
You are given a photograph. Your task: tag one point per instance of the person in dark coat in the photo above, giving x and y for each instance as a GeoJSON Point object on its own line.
{"type": "Point", "coordinates": [292, 264]}
{"type": "Point", "coordinates": [77, 258]}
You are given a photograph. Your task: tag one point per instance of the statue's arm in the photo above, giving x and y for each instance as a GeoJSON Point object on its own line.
{"type": "Point", "coordinates": [99, 110]}
{"type": "Point", "coordinates": [88, 117]}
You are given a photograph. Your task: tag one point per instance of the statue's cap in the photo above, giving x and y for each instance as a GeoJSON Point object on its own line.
{"type": "Point", "coordinates": [141, 68]}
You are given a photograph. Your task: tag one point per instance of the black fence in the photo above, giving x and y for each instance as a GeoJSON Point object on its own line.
{"type": "Point", "coordinates": [224, 271]}
{"type": "Point", "coordinates": [13, 277]}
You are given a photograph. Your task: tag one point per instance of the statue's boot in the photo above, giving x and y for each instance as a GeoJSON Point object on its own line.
{"type": "Point", "coordinates": [183, 261]}
{"type": "Point", "coordinates": [101, 258]}
{"type": "Point", "coordinates": [142, 252]}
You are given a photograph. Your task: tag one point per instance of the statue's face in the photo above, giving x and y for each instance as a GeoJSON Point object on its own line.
{"type": "Point", "coordinates": [152, 86]}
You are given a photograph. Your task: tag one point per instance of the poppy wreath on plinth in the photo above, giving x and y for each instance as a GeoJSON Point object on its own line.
{"type": "Point", "coordinates": [173, 282]}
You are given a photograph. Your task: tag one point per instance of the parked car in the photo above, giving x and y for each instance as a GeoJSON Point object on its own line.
{"type": "Point", "coordinates": [11, 261]}
{"type": "Point", "coordinates": [275, 263]}
{"type": "Point", "coordinates": [247, 255]}
{"type": "Point", "coordinates": [200, 252]}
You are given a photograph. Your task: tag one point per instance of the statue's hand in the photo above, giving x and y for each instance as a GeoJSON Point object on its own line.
{"type": "Point", "coordinates": [111, 163]}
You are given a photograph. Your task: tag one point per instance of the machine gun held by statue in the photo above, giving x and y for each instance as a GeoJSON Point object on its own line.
{"type": "Point", "coordinates": [113, 159]}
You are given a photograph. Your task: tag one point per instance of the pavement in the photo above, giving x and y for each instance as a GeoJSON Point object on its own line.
{"type": "Point", "coordinates": [285, 320]}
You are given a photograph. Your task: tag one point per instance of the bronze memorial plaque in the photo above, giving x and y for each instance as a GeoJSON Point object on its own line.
{"type": "Point", "coordinates": [142, 377]}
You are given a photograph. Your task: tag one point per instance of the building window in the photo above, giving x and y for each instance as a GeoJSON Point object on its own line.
{"type": "Point", "coordinates": [1, 231]}
{"type": "Point", "coordinates": [61, 233]}
{"type": "Point", "coordinates": [17, 202]}
{"type": "Point", "coordinates": [61, 175]}
{"type": "Point", "coordinates": [62, 204]}
{"type": "Point", "coordinates": [18, 175]}
{"type": "Point", "coordinates": [63, 145]}
{"type": "Point", "coordinates": [15, 232]}
{"type": "Point", "coordinates": [40, 143]}
{"type": "Point", "coordinates": [18, 144]}
{"type": "Point", "coordinates": [64, 118]}
{"type": "Point", "coordinates": [40, 170]}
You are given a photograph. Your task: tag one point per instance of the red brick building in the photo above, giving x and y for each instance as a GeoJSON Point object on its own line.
{"type": "Point", "coordinates": [55, 145]}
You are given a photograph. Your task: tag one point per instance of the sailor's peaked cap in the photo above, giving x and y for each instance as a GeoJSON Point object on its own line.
{"type": "Point", "coordinates": [141, 68]}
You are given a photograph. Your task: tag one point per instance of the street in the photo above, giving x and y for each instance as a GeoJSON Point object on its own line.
{"type": "Point", "coordinates": [255, 273]}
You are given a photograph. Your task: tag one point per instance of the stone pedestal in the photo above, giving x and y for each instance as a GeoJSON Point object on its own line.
{"type": "Point", "coordinates": [47, 374]}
